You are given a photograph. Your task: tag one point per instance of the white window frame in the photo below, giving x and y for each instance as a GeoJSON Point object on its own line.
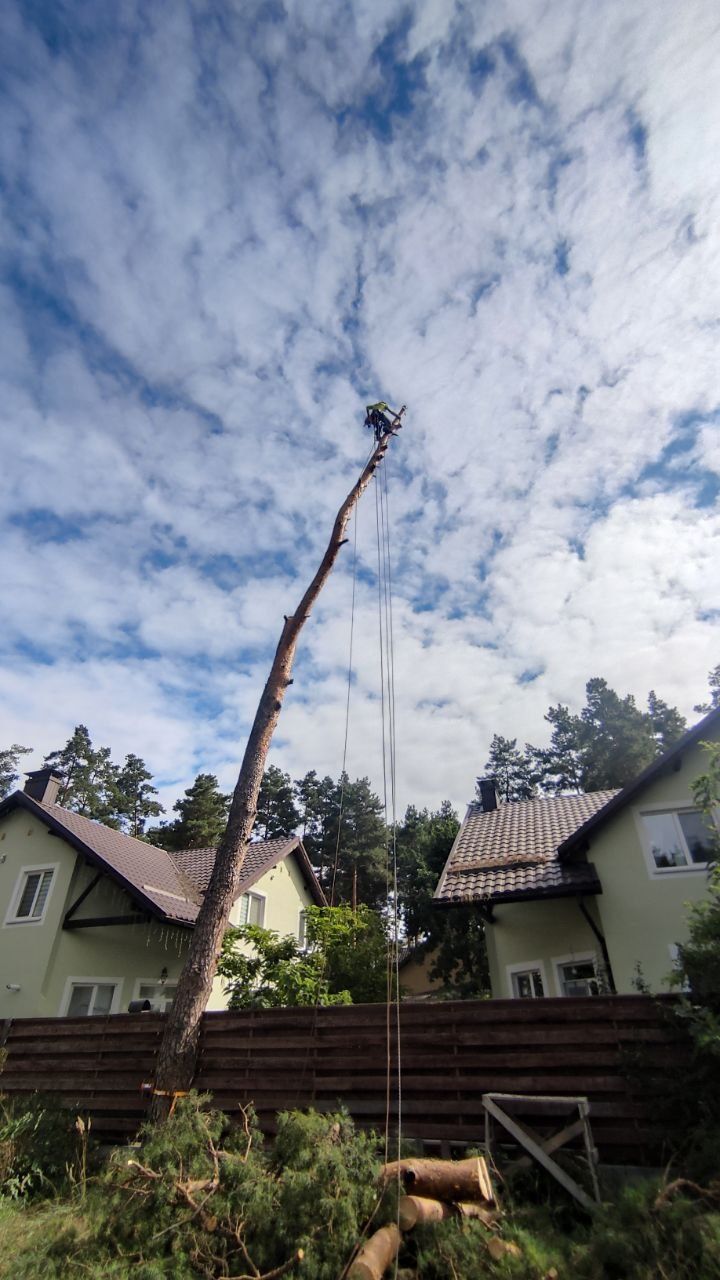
{"type": "Point", "coordinates": [253, 893]}
{"type": "Point", "coordinates": [657, 810]}
{"type": "Point", "coordinates": [82, 981]}
{"type": "Point", "coordinates": [302, 929]}
{"type": "Point", "coordinates": [576, 957]}
{"type": "Point", "coordinates": [524, 967]}
{"type": "Point", "coordinates": [11, 918]}
{"type": "Point", "coordinates": [153, 982]}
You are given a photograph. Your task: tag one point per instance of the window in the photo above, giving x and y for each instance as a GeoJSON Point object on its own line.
{"type": "Point", "coordinates": [578, 978]}
{"type": "Point", "coordinates": [302, 929]}
{"type": "Point", "coordinates": [678, 840]}
{"type": "Point", "coordinates": [31, 895]}
{"type": "Point", "coordinates": [88, 999]}
{"type": "Point", "coordinates": [252, 908]}
{"type": "Point", "coordinates": [527, 983]}
{"type": "Point", "coordinates": [160, 994]}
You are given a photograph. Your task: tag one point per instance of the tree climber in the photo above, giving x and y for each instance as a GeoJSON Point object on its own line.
{"type": "Point", "coordinates": [376, 418]}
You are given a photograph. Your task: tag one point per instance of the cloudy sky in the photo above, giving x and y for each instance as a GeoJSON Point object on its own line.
{"type": "Point", "coordinates": [225, 228]}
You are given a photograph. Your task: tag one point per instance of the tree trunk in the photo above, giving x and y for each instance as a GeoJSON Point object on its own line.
{"type": "Point", "coordinates": [178, 1049]}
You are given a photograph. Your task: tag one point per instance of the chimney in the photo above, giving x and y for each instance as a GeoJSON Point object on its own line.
{"type": "Point", "coordinates": [42, 785]}
{"type": "Point", "coordinates": [487, 794]}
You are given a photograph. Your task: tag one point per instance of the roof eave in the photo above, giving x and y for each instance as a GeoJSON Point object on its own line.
{"type": "Point", "coordinates": [523, 895]}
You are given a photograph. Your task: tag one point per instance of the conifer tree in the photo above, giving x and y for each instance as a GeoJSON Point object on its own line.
{"type": "Point", "coordinates": [88, 777]}
{"type": "Point", "coordinates": [10, 767]}
{"type": "Point", "coordinates": [203, 813]}
{"type": "Point", "coordinates": [511, 769]}
{"type": "Point", "coordinates": [134, 795]}
{"type": "Point", "coordinates": [277, 814]}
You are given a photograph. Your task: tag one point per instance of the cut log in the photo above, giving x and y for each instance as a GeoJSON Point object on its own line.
{"type": "Point", "coordinates": [443, 1179]}
{"type": "Point", "coordinates": [415, 1211]}
{"type": "Point", "coordinates": [376, 1255]}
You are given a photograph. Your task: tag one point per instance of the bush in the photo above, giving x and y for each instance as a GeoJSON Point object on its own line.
{"type": "Point", "coordinates": [38, 1146]}
{"type": "Point", "coordinates": [203, 1197]}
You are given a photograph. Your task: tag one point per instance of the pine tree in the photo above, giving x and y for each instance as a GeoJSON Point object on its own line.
{"type": "Point", "coordinates": [666, 723]}
{"type": "Point", "coordinates": [277, 814]}
{"type": "Point", "coordinates": [133, 795]}
{"type": "Point", "coordinates": [559, 767]}
{"type": "Point", "coordinates": [10, 767]}
{"type": "Point", "coordinates": [511, 769]}
{"type": "Point", "coordinates": [617, 738]}
{"type": "Point", "coordinates": [88, 777]}
{"type": "Point", "coordinates": [203, 816]}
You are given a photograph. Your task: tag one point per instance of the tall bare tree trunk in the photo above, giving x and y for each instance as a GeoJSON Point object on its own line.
{"type": "Point", "coordinates": [178, 1049]}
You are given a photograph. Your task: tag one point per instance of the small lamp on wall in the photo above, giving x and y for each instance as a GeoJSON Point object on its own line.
{"type": "Point", "coordinates": [163, 975]}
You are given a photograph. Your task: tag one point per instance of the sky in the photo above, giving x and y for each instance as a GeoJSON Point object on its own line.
{"type": "Point", "coordinates": [224, 229]}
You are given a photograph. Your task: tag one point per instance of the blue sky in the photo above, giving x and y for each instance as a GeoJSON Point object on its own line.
{"type": "Point", "coordinates": [227, 227]}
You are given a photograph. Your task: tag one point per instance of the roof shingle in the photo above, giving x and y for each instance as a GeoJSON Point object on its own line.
{"type": "Point", "coordinates": [510, 853]}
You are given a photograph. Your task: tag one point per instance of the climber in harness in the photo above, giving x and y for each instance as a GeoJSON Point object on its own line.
{"type": "Point", "coordinates": [376, 418]}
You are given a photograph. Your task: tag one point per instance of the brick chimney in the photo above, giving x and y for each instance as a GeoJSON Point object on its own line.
{"type": "Point", "coordinates": [487, 794]}
{"type": "Point", "coordinates": [42, 785]}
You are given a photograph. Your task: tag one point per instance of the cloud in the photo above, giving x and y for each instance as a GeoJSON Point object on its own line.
{"type": "Point", "coordinates": [222, 232]}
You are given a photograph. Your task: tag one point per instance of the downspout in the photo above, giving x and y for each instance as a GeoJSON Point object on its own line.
{"type": "Point", "coordinates": [603, 946]}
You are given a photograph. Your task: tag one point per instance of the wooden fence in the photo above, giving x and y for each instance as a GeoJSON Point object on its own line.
{"type": "Point", "coordinates": [451, 1053]}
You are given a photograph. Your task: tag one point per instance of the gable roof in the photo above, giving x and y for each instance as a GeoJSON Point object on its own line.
{"type": "Point", "coordinates": [510, 853]}
{"type": "Point", "coordinates": [262, 856]}
{"type": "Point", "coordinates": [576, 841]}
{"type": "Point", "coordinates": [169, 886]}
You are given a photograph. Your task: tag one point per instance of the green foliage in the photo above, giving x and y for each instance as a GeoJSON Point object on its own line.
{"type": "Point", "coordinates": [277, 814]}
{"type": "Point", "coordinates": [605, 746]}
{"type": "Point", "coordinates": [454, 939]}
{"type": "Point", "coordinates": [274, 972]}
{"type": "Point", "coordinates": [636, 1236]}
{"type": "Point", "coordinates": [344, 818]}
{"type": "Point", "coordinates": [134, 796]}
{"type": "Point", "coordinates": [38, 1146]}
{"type": "Point", "coordinates": [354, 945]}
{"type": "Point", "coordinates": [91, 784]}
{"type": "Point", "coordinates": [203, 813]}
{"type": "Point", "coordinates": [10, 767]}
{"type": "Point", "coordinates": [510, 769]}
{"type": "Point", "coordinates": [87, 777]}
{"type": "Point", "coordinates": [344, 960]}
{"type": "Point", "coordinates": [203, 1197]}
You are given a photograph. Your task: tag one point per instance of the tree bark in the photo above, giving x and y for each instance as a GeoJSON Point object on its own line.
{"type": "Point", "coordinates": [443, 1179]}
{"type": "Point", "coordinates": [178, 1049]}
{"type": "Point", "coordinates": [376, 1255]}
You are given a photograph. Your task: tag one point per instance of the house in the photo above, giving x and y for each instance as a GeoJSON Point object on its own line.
{"type": "Point", "coordinates": [91, 919]}
{"type": "Point", "coordinates": [587, 893]}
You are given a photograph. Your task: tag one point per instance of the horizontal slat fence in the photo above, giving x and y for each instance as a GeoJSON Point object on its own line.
{"type": "Point", "coordinates": [451, 1052]}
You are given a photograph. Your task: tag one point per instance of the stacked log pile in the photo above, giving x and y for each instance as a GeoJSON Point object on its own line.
{"type": "Point", "coordinates": [434, 1191]}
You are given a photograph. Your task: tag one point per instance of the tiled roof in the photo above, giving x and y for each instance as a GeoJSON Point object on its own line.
{"type": "Point", "coordinates": [170, 886]}
{"type": "Point", "coordinates": [261, 856]}
{"type": "Point", "coordinates": [510, 853]}
{"type": "Point", "coordinates": [149, 873]}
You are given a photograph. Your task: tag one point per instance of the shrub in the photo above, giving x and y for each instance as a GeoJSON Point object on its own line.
{"type": "Point", "coordinates": [203, 1197]}
{"type": "Point", "coordinates": [38, 1145]}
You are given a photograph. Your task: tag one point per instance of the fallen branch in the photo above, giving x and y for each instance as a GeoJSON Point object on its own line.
{"type": "Point", "coordinates": [681, 1186]}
